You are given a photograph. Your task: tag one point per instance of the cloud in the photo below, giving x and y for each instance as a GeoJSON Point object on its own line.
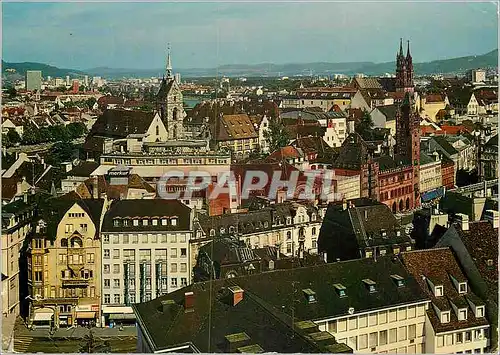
{"type": "Point", "coordinates": [135, 35]}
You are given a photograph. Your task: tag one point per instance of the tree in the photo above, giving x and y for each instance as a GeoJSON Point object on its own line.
{"type": "Point", "coordinates": [365, 126]}
{"type": "Point", "coordinates": [59, 133]}
{"type": "Point", "coordinates": [12, 92]}
{"type": "Point", "coordinates": [90, 102]}
{"type": "Point", "coordinates": [76, 129]}
{"type": "Point", "coordinates": [31, 135]}
{"type": "Point", "coordinates": [61, 152]}
{"type": "Point", "coordinates": [276, 135]}
{"type": "Point", "coordinates": [13, 137]}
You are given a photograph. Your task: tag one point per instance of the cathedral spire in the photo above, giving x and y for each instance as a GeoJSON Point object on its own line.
{"type": "Point", "coordinates": [408, 55]}
{"type": "Point", "coordinates": [169, 63]}
{"type": "Point", "coordinates": [401, 47]}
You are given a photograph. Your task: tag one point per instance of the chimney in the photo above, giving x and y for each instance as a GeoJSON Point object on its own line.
{"type": "Point", "coordinates": [237, 293]}
{"type": "Point", "coordinates": [95, 187]}
{"type": "Point", "coordinates": [189, 302]}
{"type": "Point", "coordinates": [492, 216]}
{"type": "Point", "coordinates": [344, 204]}
{"type": "Point", "coordinates": [351, 126]}
{"type": "Point", "coordinates": [166, 305]}
{"type": "Point", "coordinates": [325, 257]}
{"type": "Point", "coordinates": [463, 219]}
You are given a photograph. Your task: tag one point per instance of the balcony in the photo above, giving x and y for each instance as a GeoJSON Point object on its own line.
{"type": "Point", "coordinates": [79, 282]}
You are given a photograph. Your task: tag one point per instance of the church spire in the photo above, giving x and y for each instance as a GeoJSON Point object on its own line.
{"type": "Point", "coordinates": [408, 55]}
{"type": "Point", "coordinates": [401, 47]}
{"type": "Point", "coordinates": [169, 63]}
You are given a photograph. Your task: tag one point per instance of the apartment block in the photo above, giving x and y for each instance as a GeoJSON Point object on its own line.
{"type": "Point", "coordinates": [145, 253]}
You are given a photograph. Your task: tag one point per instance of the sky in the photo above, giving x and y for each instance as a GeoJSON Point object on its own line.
{"type": "Point", "coordinates": [205, 35]}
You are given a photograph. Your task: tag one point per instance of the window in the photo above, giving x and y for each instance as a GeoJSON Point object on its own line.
{"type": "Point", "coordinates": [106, 253]}
{"type": "Point", "coordinates": [173, 282]}
{"type": "Point", "coordinates": [212, 232]}
{"type": "Point", "coordinates": [363, 321]}
{"type": "Point", "coordinates": [183, 267]}
{"type": "Point", "coordinates": [341, 325]}
{"type": "Point", "coordinates": [462, 314]}
{"type": "Point", "coordinates": [183, 252]}
{"type": "Point", "coordinates": [363, 341]}
{"type": "Point", "coordinates": [117, 298]}
{"type": "Point", "coordinates": [393, 335]}
{"type": "Point", "coordinates": [90, 258]}
{"type": "Point", "coordinates": [353, 323]}
{"type": "Point", "coordinates": [38, 276]}
{"type": "Point", "coordinates": [468, 336]}
{"type": "Point", "coordinates": [462, 287]}
{"type": "Point", "coordinates": [383, 337]}
{"type": "Point", "coordinates": [107, 283]}
{"type": "Point", "coordinates": [132, 298]}
{"type": "Point", "coordinates": [402, 314]}
{"type": "Point", "coordinates": [116, 268]}
{"type": "Point", "coordinates": [64, 243]}
{"type": "Point", "coordinates": [173, 267]}
{"type": "Point", "coordinates": [183, 281]}
{"type": "Point", "coordinates": [173, 252]}
{"type": "Point", "coordinates": [313, 232]}
{"type": "Point", "coordinates": [445, 317]}
{"type": "Point", "coordinates": [69, 228]}
{"type": "Point", "coordinates": [438, 291]}
{"type": "Point", "coordinates": [460, 338]}
{"type": "Point", "coordinates": [479, 312]}
{"type": "Point", "coordinates": [373, 340]}
{"type": "Point", "coordinates": [182, 237]}
{"type": "Point", "coordinates": [125, 239]}
{"type": "Point", "coordinates": [116, 283]}
{"type": "Point", "coordinates": [106, 269]}
{"type": "Point", "coordinates": [173, 221]}
{"type": "Point", "coordinates": [106, 239]}
{"type": "Point", "coordinates": [144, 238]}
{"type": "Point", "coordinates": [144, 222]}
{"type": "Point", "coordinates": [107, 299]}
{"type": "Point", "coordinates": [412, 331]}
{"type": "Point", "coordinates": [135, 239]}
{"type": "Point", "coordinates": [173, 238]}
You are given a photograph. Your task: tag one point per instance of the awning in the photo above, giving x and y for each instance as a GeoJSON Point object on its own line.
{"type": "Point", "coordinates": [43, 316]}
{"type": "Point", "coordinates": [123, 316]}
{"type": "Point", "coordinates": [85, 315]}
{"type": "Point", "coordinates": [433, 194]}
{"type": "Point", "coordinates": [108, 310]}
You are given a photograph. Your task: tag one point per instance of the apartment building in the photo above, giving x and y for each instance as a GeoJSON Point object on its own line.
{"type": "Point", "coordinates": [16, 224]}
{"type": "Point", "coordinates": [291, 226]}
{"type": "Point", "coordinates": [66, 263]}
{"type": "Point", "coordinates": [430, 172]}
{"type": "Point", "coordinates": [237, 134]}
{"type": "Point", "coordinates": [456, 320]}
{"type": "Point", "coordinates": [145, 253]}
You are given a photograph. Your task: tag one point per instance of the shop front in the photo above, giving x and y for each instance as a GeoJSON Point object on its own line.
{"type": "Point", "coordinates": [118, 316]}
{"type": "Point", "coordinates": [86, 315]}
{"type": "Point", "coordinates": [43, 318]}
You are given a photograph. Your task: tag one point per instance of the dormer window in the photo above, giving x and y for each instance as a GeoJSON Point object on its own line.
{"type": "Point", "coordinates": [462, 314]}
{"type": "Point", "coordinates": [445, 317]}
{"type": "Point", "coordinates": [163, 221]}
{"type": "Point", "coordinates": [399, 280]}
{"type": "Point", "coordinates": [480, 312]}
{"type": "Point", "coordinates": [384, 233]}
{"type": "Point", "coordinates": [462, 287]}
{"type": "Point", "coordinates": [368, 254]}
{"type": "Point", "coordinates": [144, 222]}
{"type": "Point", "coordinates": [370, 284]}
{"type": "Point", "coordinates": [136, 222]}
{"type": "Point", "coordinates": [310, 295]}
{"type": "Point", "coordinates": [116, 222]}
{"type": "Point", "coordinates": [438, 291]}
{"type": "Point", "coordinates": [154, 222]}
{"type": "Point", "coordinates": [125, 222]}
{"type": "Point", "coordinates": [341, 290]}
{"type": "Point", "coordinates": [173, 221]}
{"type": "Point", "coordinates": [313, 217]}
{"type": "Point", "coordinates": [212, 232]}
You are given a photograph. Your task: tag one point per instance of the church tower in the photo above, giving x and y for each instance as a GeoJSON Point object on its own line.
{"type": "Point", "coordinates": [404, 70]}
{"type": "Point", "coordinates": [170, 103]}
{"type": "Point", "coordinates": [408, 119]}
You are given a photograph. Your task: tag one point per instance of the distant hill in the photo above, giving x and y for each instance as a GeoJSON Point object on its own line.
{"type": "Point", "coordinates": [444, 66]}
{"type": "Point", "coordinates": [47, 70]}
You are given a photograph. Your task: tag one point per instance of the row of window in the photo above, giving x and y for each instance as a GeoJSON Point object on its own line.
{"type": "Point", "coordinates": [117, 298]}
{"type": "Point", "coordinates": [373, 319]}
{"type": "Point", "coordinates": [60, 292]}
{"type": "Point", "coordinates": [117, 268]}
{"type": "Point", "coordinates": [129, 254]}
{"type": "Point", "coordinates": [145, 238]}
{"type": "Point", "coordinates": [76, 258]}
{"type": "Point", "coordinates": [460, 337]}
{"type": "Point", "coordinates": [384, 337]}
{"type": "Point", "coordinates": [126, 222]}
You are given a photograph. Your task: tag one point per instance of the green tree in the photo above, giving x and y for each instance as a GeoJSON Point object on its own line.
{"type": "Point", "coordinates": [13, 137]}
{"type": "Point", "coordinates": [365, 126]}
{"type": "Point", "coordinates": [31, 135]}
{"type": "Point", "coordinates": [12, 92]}
{"type": "Point", "coordinates": [76, 129]}
{"type": "Point", "coordinates": [90, 102]}
{"type": "Point", "coordinates": [61, 152]}
{"type": "Point", "coordinates": [276, 135]}
{"type": "Point", "coordinates": [59, 133]}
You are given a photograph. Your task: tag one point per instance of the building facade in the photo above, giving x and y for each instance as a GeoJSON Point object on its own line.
{"type": "Point", "coordinates": [33, 80]}
{"type": "Point", "coordinates": [66, 264]}
{"type": "Point", "coordinates": [145, 253]}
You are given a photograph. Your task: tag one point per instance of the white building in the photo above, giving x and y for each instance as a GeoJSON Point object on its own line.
{"type": "Point", "coordinates": [145, 252]}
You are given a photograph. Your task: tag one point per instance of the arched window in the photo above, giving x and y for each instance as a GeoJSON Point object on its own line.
{"type": "Point", "coordinates": [89, 242]}
{"type": "Point", "coordinates": [64, 243]}
{"type": "Point", "coordinates": [76, 242]}
{"type": "Point", "coordinates": [394, 207]}
{"type": "Point", "coordinates": [288, 235]}
{"type": "Point", "coordinates": [407, 203]}
{"type": "Point", "coordinates": [174, 114]}
{"type": "Point", "coordinates": [313, 231]}
{"type": "Point", "coordinates": [400, 205]}
{"type": "Point", "coordinates": [212, 232]}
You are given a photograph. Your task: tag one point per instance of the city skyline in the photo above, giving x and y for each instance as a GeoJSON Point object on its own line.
{"type": "Point", "coordinates": [204, 35]}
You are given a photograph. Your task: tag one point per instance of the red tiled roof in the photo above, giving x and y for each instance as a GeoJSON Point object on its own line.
{"type": "Point", "coordinates": [434, 98]}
